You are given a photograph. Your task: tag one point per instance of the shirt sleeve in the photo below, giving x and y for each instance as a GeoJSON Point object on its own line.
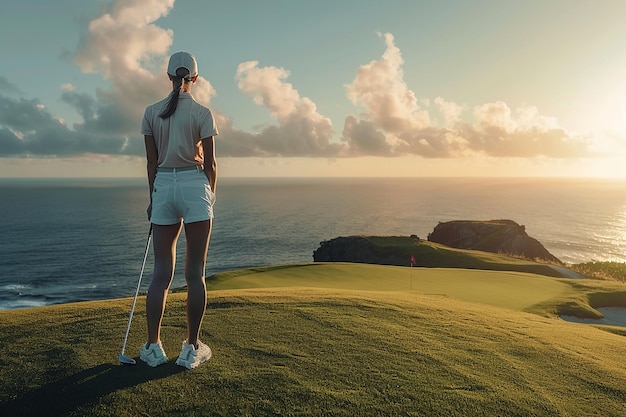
{"type": "Point", "coordinates": [146, 123]}
{"type": "Point", "coordinates": [208, 127]}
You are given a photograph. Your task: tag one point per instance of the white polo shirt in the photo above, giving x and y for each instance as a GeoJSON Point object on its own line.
{"type": "Point", "coordinates": [179, 137]}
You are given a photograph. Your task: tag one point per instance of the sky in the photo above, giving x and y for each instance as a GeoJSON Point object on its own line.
{"type": "Point", "coordinates": [398, 88]}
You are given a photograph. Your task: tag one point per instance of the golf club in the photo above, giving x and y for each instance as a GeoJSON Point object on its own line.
{"type": "Point", "coordinates": [125, 360]}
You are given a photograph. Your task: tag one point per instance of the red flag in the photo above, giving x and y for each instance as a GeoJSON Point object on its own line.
{"type": "Point", "coordinates": [413, 261]}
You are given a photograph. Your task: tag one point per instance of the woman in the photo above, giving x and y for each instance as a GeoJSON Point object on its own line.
{"type": "Point", "coordinates": [182, 173]}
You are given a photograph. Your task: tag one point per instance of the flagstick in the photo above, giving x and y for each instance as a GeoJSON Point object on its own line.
{"type": "Point", "coordinates": [412, 262]}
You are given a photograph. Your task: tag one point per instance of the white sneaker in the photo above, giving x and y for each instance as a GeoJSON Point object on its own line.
{"type": "Point", "coordinates": [190, 357]}
{"type": "Point", "coordinates": [153, 355]}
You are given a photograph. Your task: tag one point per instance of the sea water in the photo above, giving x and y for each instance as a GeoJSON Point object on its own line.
{"type": "Point", "coordinates": [65, 240]}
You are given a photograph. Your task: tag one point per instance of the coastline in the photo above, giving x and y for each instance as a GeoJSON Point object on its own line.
{"type": "Point", "coordinates": [77, 239]}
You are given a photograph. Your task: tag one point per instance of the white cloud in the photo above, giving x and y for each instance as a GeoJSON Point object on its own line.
{"type": "Point", "coordinates": [117, 45]}
{"type": "Point", "coordinates": [267, 87]}
{"type": "Point", "coordinates": [451, 111]}
{"type": "Point", "coordinates": [120, 40]}
{"type": "Point", "coordinates": [301, 130]}
{"type": "Point", "coordinates": [126, 47]}
{"type": "Point", "coordinates": [498, 131]}
{"type": "Point", "coordinates": [380, 88]}
{"type": "Point", "coordinates": [392, 114]}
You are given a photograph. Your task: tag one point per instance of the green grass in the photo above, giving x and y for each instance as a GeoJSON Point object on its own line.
{"type": "Point", "coordinates": [307, 340]}
{"type": "Point", "coordinates": [516, 290]}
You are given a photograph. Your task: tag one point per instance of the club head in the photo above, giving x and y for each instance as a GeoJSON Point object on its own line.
{"type": "Point", "coordinates": [125, 360]}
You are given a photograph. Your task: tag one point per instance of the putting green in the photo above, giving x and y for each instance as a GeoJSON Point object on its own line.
{"type": "Point", "coordinates": [515, 290]}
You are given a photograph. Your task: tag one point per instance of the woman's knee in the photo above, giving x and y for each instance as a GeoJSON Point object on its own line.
{"type": "Point", "coordinates": [160, 283]}
{"type": "Point", "coordinates": [194, 273]}
{"type": "Point", "coordinates": [162, 276]}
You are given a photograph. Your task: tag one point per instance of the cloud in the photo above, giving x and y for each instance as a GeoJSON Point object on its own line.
{"type": "Point", "coordinates": [26, 128]}
{"type": "Point", "coordinates": [497, 131]}
{"type": "Point", "coordinates": [364, 138]}
{"type": "Point", "coordinates": [301, 129]}
{"type": "Point", "coordinates": [126, 47]}
{"type": "Point", "coordinates": [119, 41]}
{"type": "Point", "coordinates": [451, 111]}
{"type": "Point", "coordinates": [380, 88]}
{"type": "Point", "coordinates": [393, 123]}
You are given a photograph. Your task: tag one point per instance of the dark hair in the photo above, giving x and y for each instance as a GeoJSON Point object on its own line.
{"type": "Point", "coordinates": [177, 85]}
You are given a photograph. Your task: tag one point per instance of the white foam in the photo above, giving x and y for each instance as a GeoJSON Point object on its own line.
{"type": "Point", "coordinates": [15, 304]}
{"type": "Point", "coordinates": [14, 287]}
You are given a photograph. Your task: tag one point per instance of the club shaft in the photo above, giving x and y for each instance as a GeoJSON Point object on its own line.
{"type": "Point", "coordinates": [132, 310]}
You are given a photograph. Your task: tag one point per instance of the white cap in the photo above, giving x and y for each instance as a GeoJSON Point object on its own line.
{"type": "Point", "coordinates": [182, 60]}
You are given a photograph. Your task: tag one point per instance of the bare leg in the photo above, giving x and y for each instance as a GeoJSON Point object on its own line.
{"type": "Point", "coordinates": [198, 235]}
{"type": "Point", "coordinates": [164, 244]}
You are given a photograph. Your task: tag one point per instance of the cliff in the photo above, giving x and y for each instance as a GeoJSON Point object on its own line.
{"type": "Point", "coordinates": [405, 250]}
{"type": "Point", "coordinates": [498, 236]}
{"type": "Point", "coordinates": [447, 247]}
{"type": "Point", "coordinates": [359, 249]}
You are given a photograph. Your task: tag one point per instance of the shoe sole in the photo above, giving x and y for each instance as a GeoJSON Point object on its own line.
{"type": "Point", "coordinates": [154, 364]}
{"type": "Point", "coordinates": [191, 365]}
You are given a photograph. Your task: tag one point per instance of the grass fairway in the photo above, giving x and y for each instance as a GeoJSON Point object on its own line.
{"type": "Point", "coordinates": [515, 290]}
{"type": "Point", "coordinates": [328, 349]}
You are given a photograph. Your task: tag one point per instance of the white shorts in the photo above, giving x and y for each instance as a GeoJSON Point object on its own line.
{"type": "Point", "coordinates": [181, 194]}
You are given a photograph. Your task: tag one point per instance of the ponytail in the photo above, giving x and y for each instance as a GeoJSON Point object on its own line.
{"type": "Point", "coordinates": [182, 74]}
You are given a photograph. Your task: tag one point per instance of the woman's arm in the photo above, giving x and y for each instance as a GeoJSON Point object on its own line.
{"type": "Point", "coordinates": [152, 156]}
{"type": "Point", "coordinates": [210, 164]}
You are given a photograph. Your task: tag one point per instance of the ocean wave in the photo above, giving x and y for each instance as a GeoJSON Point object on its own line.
{"type": "Point", "coordinates": [15, 288]}
{"type": "Point", "coordinates": [23, 303]}
{"type": "Point", "coordinates": [20, 299]}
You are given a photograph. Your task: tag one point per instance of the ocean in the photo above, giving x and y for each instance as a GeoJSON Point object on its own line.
{"type": "Point", "coordinates": [66, 240]}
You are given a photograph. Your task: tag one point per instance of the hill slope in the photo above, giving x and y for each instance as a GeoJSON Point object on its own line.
{"type": "Point", "coordinates": [322, 351]}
